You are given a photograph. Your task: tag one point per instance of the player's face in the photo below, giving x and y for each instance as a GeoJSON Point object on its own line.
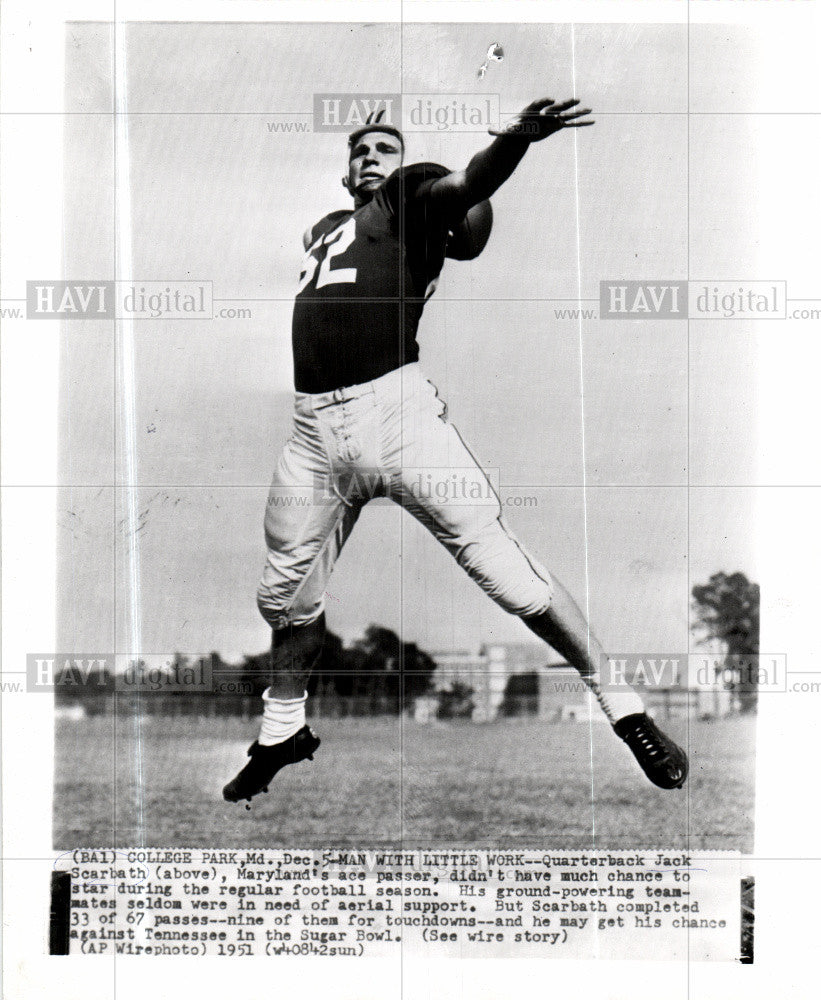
{"type": "Point", "coordinates": [374, 157]}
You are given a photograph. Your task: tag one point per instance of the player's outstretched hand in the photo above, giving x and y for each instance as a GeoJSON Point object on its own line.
{"type": "Point", "coordinates": [542, 118]}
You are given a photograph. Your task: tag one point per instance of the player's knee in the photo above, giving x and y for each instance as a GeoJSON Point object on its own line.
{"type": "Point", "coordinates": [526, 594]}
{"type": "Point", "coordinates": [280, 607]}
{"type": "Point", "coordinates": [273, 599]}
{"type": "Point", "coordinates": [530, 601]}
{"type": "Point", "coordinates": [506, 571]}
{"type": "Point", "coordinates": [291, 590]}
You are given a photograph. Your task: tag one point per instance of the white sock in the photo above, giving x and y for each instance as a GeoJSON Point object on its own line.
{"type": "Point", "coordinates": [616, 704]}
{"type": "Point", "coordinates": [281, 718]}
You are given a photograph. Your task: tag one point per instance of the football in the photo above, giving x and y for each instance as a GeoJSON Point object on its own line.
{"type": "Point", "coordinates": [469, 238]}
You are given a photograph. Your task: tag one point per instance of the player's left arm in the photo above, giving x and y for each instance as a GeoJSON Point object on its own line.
{"type": "Point", "coordinates": [492, 166]}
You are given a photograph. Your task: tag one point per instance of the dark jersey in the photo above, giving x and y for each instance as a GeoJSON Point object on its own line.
{"type": "Point", "coordinates": [364, 282]}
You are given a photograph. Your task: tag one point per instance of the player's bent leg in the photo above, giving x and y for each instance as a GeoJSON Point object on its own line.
{"type": "Point", "coordinates": [285, 737]}
{"type": "Point", "coordinates": [304, 541]}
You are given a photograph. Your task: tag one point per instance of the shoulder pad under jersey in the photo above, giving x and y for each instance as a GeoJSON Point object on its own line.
{"type": "Point", "coordinates": [327, 223]}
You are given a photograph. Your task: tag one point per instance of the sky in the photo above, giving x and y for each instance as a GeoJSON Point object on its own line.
{"type": "Point", "coordinates": [626, 451]}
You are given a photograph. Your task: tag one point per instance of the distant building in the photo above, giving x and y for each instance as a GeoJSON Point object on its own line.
{"type": "Point", "coordinates": [687, 686]}
{"type": "Point", "coordinates": [486, 670]}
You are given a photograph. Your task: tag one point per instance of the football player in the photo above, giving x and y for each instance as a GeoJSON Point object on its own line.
{"type": "Point", "coordinates": [365, 413]}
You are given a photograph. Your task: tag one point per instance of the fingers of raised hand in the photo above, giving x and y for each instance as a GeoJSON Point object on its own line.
{"type": "Point", "coordinates": [546, 116]}
{"type": "Point", "coordinates": [569, 121]}
{"type": "Point", "coordinates": [535, 107]}
{"type": "Point", "coordinates": [556, 109]}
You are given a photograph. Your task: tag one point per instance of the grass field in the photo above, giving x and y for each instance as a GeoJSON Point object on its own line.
{"type": "Point", "coordinates": [386, 781]}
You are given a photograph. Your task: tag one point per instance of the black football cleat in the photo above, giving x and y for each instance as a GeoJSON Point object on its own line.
{"type": "Point", "coordinates": [265, 762]}
{"type": "Point", "coordinates": [664, 763]}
